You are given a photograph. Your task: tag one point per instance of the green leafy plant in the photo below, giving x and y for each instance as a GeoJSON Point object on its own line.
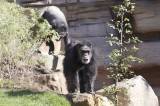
{"type": "Point", "coordinates": [22, 30]}
{"type": "Point", "coordinates": [124, 43]}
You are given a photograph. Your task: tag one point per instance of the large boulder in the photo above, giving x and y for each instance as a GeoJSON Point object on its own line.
{"type": "Point", "coordinates": [135, 92]}
{"type": "Point", "coordinates": [55, 81]}
{"type": "Point", "coordinates": [139, 93]}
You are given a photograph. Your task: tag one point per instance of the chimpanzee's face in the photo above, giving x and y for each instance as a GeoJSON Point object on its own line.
{"type": "Point", "coordinates": [85, 54]}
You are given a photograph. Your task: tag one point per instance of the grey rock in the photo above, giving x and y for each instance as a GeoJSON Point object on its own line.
{"type": "Point", "coordinates": [135, 92]}
{"type": "Point", "coordinates": [139, 93]}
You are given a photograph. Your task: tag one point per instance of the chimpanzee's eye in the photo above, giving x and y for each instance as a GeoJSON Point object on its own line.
{"type": "Point", "coordinates": [85, 51]}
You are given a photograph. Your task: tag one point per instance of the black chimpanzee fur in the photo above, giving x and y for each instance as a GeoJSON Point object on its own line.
{"type": "Point", "coordinates": [80, 72]}
{"type": "Point", "coordinates": [82, 75]}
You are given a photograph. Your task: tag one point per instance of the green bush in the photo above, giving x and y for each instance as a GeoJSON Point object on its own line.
{"type": "Point", "coordinates": [14, 28]}
{"type": "Point", "coordinates": [125, 46]}
{"type": "Point", "coordinates": [21, 32]}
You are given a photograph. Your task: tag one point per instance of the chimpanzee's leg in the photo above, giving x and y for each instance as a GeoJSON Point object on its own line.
{"type": "Point", "coordinates": [82, 82]}
{"type": "Point", "coordinates": [76, 83]}
{"type": "Point", "coordinates": [89, 82]}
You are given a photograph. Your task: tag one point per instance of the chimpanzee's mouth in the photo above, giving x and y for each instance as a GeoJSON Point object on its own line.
{"type": "Point", "coordinates": [85, 60]}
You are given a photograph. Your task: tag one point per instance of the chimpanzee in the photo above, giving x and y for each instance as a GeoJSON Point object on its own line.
{"type": "Point", "coordinates": [80, 65]}
{"type": "Point", "coordinates": [56, 18]}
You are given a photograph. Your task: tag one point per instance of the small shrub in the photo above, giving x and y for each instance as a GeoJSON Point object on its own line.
{"type": "Point", "coordinates": [125, 45]}
{"type": "Point", "coordinates": [21, 32]}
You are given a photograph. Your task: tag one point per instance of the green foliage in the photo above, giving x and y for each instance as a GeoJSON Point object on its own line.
{"type": "Point", "coordinates": [43, 31]}
{"type": "Point", "coordinates": [21, 33]}
{"type": "Point", "coordinates": [110, 92]}
{"type": "Point", "coordinates": [28, 98]}
{"type": "Point", "coordinates": [124, 42]}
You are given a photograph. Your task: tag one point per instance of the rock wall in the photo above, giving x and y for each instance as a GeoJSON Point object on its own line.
{"type": "Point", "coordinates": [147, 26]}
{"type": "Point", "coordinates": [147, 15]}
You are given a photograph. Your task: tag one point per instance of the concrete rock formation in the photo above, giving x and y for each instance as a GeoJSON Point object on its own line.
{"type": "Point", "coordinates": [89, 100]}
{"type": "Point", "coordinates": [45, 82]}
